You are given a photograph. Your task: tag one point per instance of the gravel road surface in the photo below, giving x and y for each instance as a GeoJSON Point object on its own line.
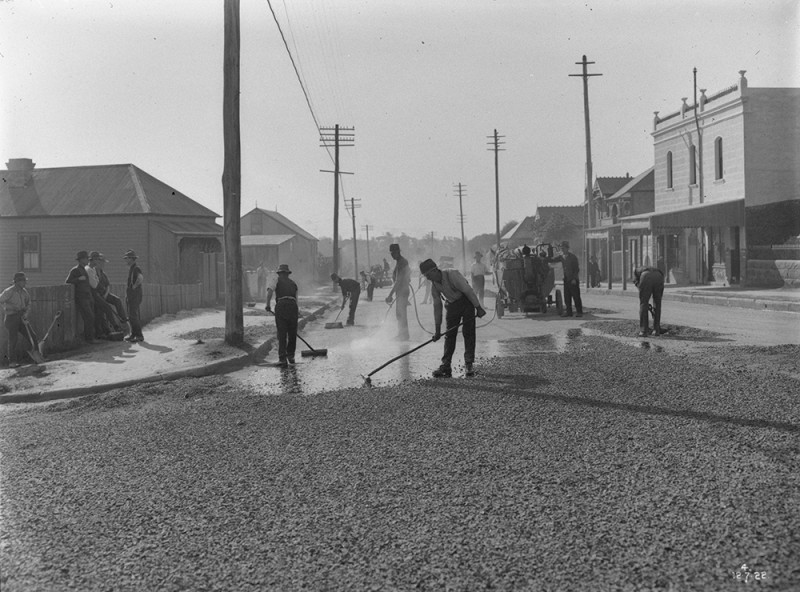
{"type": "Point", "coordinates": [603, 467]}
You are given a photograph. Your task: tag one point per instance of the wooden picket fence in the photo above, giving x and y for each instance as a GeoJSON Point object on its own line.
{"type": "Point", "coordinates": [67, 332]}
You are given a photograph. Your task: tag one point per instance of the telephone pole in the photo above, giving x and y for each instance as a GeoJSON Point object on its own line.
{"type": "Point", "coordinates": [589, 216]}
{"type": "Point", "coordinates": [461, 191]}
{"type": "Point", "coordinates": [337, 137]}
{"type": "Point", "coordinates": [496, 143]}
{"type": "Point", "coordinates": [367, 227]}
{"type": "Point", "coordinates": [232, 177]}
{"type": "Point", "coordinates": [353, 206]}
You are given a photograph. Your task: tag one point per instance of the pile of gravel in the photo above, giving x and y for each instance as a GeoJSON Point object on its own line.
{"type": "Point", "coordinates": [600, 468]}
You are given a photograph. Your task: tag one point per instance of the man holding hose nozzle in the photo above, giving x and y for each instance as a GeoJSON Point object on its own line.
{"type": "Point", "coordinates": [462, 307]}
{"type": "Point", "coordinates": [350, 289]}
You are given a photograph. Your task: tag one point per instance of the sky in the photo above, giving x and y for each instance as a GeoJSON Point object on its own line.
{"type": "Point", "coordinates": [423, 83]}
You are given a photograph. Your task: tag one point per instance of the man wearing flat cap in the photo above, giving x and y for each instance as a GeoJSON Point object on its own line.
{"type": "Point", "coordinates": [84, 297]}
{"type": "Point", "coordinates": [133, 296]}
{"type": "Point", "coordinates": [462, 307]}
{"type": "Point", "coordinates": [16, 302]}
{"type": "Point", "coordinates": [401, 288]}
{"type": "Point", "coordinates": [286, 313]}
{"type": "Point", "coordinates": [572, 282]}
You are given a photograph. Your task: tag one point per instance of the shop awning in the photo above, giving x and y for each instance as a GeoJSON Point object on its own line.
{"type": "Point", "coordinates": [727, 213]}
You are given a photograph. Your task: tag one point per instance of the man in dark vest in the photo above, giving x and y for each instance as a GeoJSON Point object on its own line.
{"type": "Point", "coordinates": [286, 313]}
{"type": "Point", "coordinates": [572, 283]}
{"type": "Point", "coordinates": [84, 297]}
{"type": "Point", "coordinates": [350, 289]}
{"type": "Point", "coordinates": [133, 295]}
{"type": "Point", "coordinates": [650, 281]}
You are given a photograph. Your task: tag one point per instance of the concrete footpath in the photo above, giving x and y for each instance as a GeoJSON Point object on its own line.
{"type": "Point", "coordinates": [191, 343]}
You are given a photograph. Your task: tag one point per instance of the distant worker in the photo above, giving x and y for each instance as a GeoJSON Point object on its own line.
{"type": "Point", "coordinates": [350, 289]}
{"type": "Point", "coordinates": [261, 280]}
{"type": "Point", "coordinates": [286, 313]}
{"type": "Point", "coordinates": [401, 288]}
{"type": "Point", "coordinates": [479, 271]}
{"type": "Point", "coordinates": [369, 282]}
{"type": "Point", "coordinates": [134, 290]}
{"type": "Point", "coordinates": [650, 281]}
{"type": "Point", "coordinates": [462, 307]}
{"type": "Point", "coordinates": [572, 284]}
{"type": "Point", "coordinates": [16, 302]}
{"type": "Point", "coordinates": [594, 272]}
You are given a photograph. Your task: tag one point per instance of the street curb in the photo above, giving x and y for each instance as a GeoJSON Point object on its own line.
{"type": "Point", "coordinates": [221, 367]}
{"type": "Point", "coordinates": [713, 300]}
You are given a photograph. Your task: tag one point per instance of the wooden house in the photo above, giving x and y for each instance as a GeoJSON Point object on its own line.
{"type": "Point", "coordinates": [272, 238]}
{"type": "Point", "coordinates": [48, 214]}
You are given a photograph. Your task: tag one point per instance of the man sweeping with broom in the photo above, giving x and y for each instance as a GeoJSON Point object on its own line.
{"type": "Point", "coordinates": [286, 313]}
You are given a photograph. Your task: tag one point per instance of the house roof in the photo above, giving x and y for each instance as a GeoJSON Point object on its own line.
{"type": "Point", "coordinates": [642, 182]}
{"type": "Point", "coordinates": [522, 230]}
{"type": "Point", "coordinates": [92, 190]}
{"type": "Point", "coordinates": [610, 185]}
{"type": "Point", "coordinates": [184, 227]}
{"type": "Point", "coordinates": [572, 213]}
{"type": "Point", "coordinates": [281, 219]}
{"type": "Point", "coordinates": [265, 240]}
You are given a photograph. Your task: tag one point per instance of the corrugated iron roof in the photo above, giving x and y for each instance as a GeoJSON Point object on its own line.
{"type": "Point", "coordinates": [643, 182]}
{"type": "Point", "coordinates": [265, 240]}
{"type": "Point", "coordinates": [281, 219]}
{"type": "Point", "coordinates": [610, 185]}
{"type": "Point", "coordinates": [184, 227]}
{"type": "Point", "coordinates": [572, 213]}
{"type": "Point", "coordinates": [92, 190]}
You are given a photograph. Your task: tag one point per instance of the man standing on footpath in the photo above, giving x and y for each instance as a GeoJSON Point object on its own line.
{"type": "Point", "coordinates": [84, 298]}
{"type": "Point", "coordinates": [650, 281]}
{"type": "Point", "coordinates": [401, 288]}
{"type": "Point", "coordinates": [16, 301]}
{"type": "Point", "coordinates": [350, 289]}
{"type": "Point", "coordinates": [572, 284]}
{"type": "Point", "coordinates": [286, 313]}
{"type": "Point", "coordinates": [462, 307]}
{"type": "Point", "coordinates": [133, 296]}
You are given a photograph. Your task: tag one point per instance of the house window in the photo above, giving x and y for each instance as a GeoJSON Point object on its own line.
{"type": "Point", "coordinates": [718, 158]}
{"type": "Point", "coordinates": [669, 170]}
{"type": "Point", "coordinates": [30, 252]}
{"type": "Point", "coordinates": [692, 165]}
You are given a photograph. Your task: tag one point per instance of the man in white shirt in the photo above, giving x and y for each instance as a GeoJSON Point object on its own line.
{"type": "Point", "coordinates": [479, 272]}
{"type": "Point", "coordinates": [462, 307]}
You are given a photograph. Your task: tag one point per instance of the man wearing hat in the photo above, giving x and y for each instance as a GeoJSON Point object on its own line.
{"type": "Point", "coordinates": [479, 272]}
{"type": "Point", "coordinates": [572, 282]}
{"type": "Point", "coordinates": [286, 313]}
{"type": "Point", "coordinates": [462, 307]}
{"type": "Point", "coordinates": [401, 288]}
{"type": "Point", "coordinates": [133, 296]}
{"type": "Point", "coordinates": [350, 289]}
{"type": "Point", "coordinates": [16, 301]}
{"type": "Point", "coordinates": [104, 289]}
{"type": "Point", "coordinates": [84, 298]}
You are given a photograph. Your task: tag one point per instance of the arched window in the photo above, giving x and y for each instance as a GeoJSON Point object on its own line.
{"type": "Point", "coordinates": [718, 170]}
{"type": "Point", "coordinates": [669, 170]}
{"type": "Point", "coordinates": [692, 165]}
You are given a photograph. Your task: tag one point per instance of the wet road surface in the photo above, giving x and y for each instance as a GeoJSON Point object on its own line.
{"type": "Point", "coordinates": [356, 351]}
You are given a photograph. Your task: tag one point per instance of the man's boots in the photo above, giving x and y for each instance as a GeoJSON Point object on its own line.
{"type": "Point", "coordinates": [443, 372]}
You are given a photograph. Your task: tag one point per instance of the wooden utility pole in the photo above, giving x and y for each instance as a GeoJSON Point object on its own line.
{"type": "Point", "coordinates": [496, 143]}
{"type": "Point", "coordinates": [232, 178]}
{"type": "Point", "coordinates": [461, 190]}
{"type": "Point", "coordinates": [338, 137]}
{"type": "Point", "coordinates": [589, 216]}
{"type": "Point", "coordinates": [353, 206]}
{"type": "Point", "coordinates": [369, 263]}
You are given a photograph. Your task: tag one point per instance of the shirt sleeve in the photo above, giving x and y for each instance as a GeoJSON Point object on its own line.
{"type": "Point", "coordinates": [460, 283]}
{"type": "Point", "coordinates": [272, 282]}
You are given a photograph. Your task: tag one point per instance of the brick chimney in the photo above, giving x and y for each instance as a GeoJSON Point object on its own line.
{"type": "Point", "coordinates": [20, 171]}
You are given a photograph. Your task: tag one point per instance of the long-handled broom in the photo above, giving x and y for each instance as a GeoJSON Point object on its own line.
{"type": "Point", "coordinates": [337, 324]}
{"type": "Point", "coordinates": [311, 351]}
